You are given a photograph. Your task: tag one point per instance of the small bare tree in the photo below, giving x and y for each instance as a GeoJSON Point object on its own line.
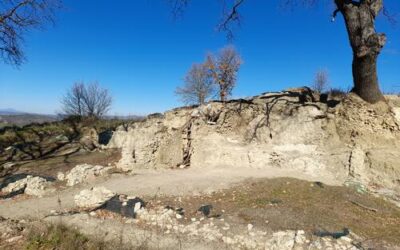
{"type": "Point", "coordinates": [72, 102]}
{"type": "Point", "coordinates": [224, 68]}
{"type": "Point", "coordinates": [97, 100]}
{"type": "Point", "coordinates": [321, 81]}
{"type": "Point", "coordinates": [86, 101]}
{"type": "Point", "coordinates": [198, 85]}
{"type": "Point", "coordinates": [16, 18]}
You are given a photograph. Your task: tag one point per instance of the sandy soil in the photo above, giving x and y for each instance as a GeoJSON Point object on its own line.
{"type": "Point", "coordinates": [166, 182]}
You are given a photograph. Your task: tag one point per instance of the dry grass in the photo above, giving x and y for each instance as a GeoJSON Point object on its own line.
{"type": "Point", "coordinates": [61, 237]}
{"type": "Point", "coordinates": [51, 166]}
{"type": "Point", "coordinates": [285, 203]}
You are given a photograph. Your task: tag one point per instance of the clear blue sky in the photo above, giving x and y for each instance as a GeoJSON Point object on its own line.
{"type": "Point", "coordinates": [135, 49]}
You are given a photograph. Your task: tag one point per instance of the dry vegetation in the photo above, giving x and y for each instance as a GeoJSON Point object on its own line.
{"type": "Point", "coordinates": [62, 238]}
{"type": "Point", "coordinates": [291, 204]}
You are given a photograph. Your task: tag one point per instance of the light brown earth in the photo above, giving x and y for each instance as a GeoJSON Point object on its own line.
{"type": "Point", "coordinates": [273, 162]}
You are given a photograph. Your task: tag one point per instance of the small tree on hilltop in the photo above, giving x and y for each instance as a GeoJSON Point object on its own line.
{"type": "Point", "coordinates": [86, 101]}
{"type": "Point", "coordinates": [198, 85]}
{"type": "Point", "coordinates": [72, 102]}
{"type": "Point", "coordinates": [97, 100]}
{"type": "Point", "coordinates": [224, 68]}
{"type": "Point", "coordinates": [321, 81]}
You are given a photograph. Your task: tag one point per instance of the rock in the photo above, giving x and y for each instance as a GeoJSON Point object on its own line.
{"type": "Point", "coordinates": [14, 239]}
{"type": "Point", "coordinates": [335, 235]}
{"type": "Point", "coordinates": [137, 207]}
{"type": "Point", "coordinates": [85, 172]}
{"type": "Point", "coordinates": [93, 198]}
{"type": "Point", "coordinates": [249, 227]}
{"type": "Point", "coordinates": [60, 176]}
{"type": "Point", "coordinates": [286, 129]}
{"type": "Point", "coordinates": [16, 186]}
{"type": "Point", "coordinates": [127, 207]}
{"type": "Point", "coordinates": [35, 186]}
{"type": "Point", "coordinates": [8, 165]}
{"type": "Point", "coordinates": [283, 240]}
{"type": "Point", "coordinates": [90, 139]}
{"type": "Point", "coordinates": [205, 209]}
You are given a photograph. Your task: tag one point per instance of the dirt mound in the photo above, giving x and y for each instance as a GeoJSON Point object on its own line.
{"type": "Point", "coordinates": [294, 129]}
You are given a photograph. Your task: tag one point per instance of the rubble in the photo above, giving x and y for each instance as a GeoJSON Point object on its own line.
{"type": "Point", "coordinates": [35, 186]}
{"type": "Point", "coordinates": [90, 199]}
{"type": "Point", "coordinates": [249, 237]}
{"type": "Point", "coordinates": [84, 172]}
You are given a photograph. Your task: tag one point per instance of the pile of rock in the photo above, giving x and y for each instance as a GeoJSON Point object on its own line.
{"type": "Point", "coordinates": [91, 199]}
{"type": "Point", "coordinates": [11, 232]}
{"type": "Point", "coordinates": [170, 221]}
{"type": "Point", "coordinates": [82, 173]}
{"type": "Point", "coordinates": [35, 186]}
{"type": "Point", "coordinates": [211, 229]}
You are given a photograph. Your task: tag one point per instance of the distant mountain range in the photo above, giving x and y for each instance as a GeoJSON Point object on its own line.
{"type": "Point", "coordinates": [10, 111]}
{"type": "Point", "coordinates": [10, 116]}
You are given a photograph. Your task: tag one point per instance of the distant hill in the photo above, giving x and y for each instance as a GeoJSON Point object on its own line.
{"type": "Point", "coordinates": [21, 119]}
{"type": "Point", "coordinates": [11, 117]}
{"type": "Point", "coordinates": [10, 111]}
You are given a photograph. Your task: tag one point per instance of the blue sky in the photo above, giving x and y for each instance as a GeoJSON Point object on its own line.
{"type": "Point", "coordinates": [136, 49]}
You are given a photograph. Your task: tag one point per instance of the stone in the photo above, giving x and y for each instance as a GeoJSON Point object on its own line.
{"type": "Point", "coordinates": [85, 172]}
{"type": "Point", "coordinates": [90, 139]}
{"type": "Point", "coordinates": [137, 207]}
{"type": "Point", "coordinates": [60, 176]}
{"type": "Point", "coordinates": [35, 186]}
{"type": "Point", "coordinates": [15, 186]}
{"type": "Point", "coordinates": [283, 240]}
{"type": "Point", "coordinates": [205, 209]}
{"type": "Point", "coordinates": [275, 130]}
{"type": "Point", "coordinates": [91, 199]}
{"type": "Point", "coordinates": [14, 239]}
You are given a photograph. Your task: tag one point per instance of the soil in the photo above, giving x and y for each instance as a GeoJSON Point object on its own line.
{"type": "Point", "coordinates": [292, 204]}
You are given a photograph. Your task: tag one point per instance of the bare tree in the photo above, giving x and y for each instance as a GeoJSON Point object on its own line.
{"type": "Point", "coordinates": [72, 102]}
{"type": "Point", "coordinates": [198, 85]}
{"type": "Point", "coordinates": [97, 100]}
{"type": "Point", "coordinates": [224, 68]}
{"type": "Point", "coordinates": [86, 100]}
{"type": "Point", "coordinates": [321, 81]}
{"type": "Point", "coordinates": [16, 18]}
{"type": "Point", "coordinates": [359, 17]}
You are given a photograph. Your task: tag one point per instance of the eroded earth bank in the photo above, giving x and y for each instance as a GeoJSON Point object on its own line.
{"type": "Point", "coordinates": [285, 170]}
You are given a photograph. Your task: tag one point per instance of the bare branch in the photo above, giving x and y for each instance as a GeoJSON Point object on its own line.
{"type": "Point", "coordinates": [178, 7]}
{"type": "Point", "coordinates": [87, 100]}
{"type": "Point", "coordinates": [321, 81]}
{"type": "Point", "coordinates": [16, 18]}
{"type": "Point", "coordinates": [198, 85]}
{"type": "Point", "coordinates": [231, 16]}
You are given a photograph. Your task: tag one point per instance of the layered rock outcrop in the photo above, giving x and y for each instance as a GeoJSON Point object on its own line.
{"type": "Point", "coordinates": [346, 139]}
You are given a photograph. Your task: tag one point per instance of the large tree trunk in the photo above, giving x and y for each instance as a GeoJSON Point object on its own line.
{"type": "Point", "coordinates": [366, 78]}
{"type": "Point", "coordinates": [366, 44]}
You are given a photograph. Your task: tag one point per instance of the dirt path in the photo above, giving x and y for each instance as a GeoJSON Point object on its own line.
{"type": "Point", "coordinates": [166, 182]}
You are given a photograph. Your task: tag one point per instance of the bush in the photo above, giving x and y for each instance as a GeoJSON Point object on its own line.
{"type": "Point", "coordinates": [337, 93]}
